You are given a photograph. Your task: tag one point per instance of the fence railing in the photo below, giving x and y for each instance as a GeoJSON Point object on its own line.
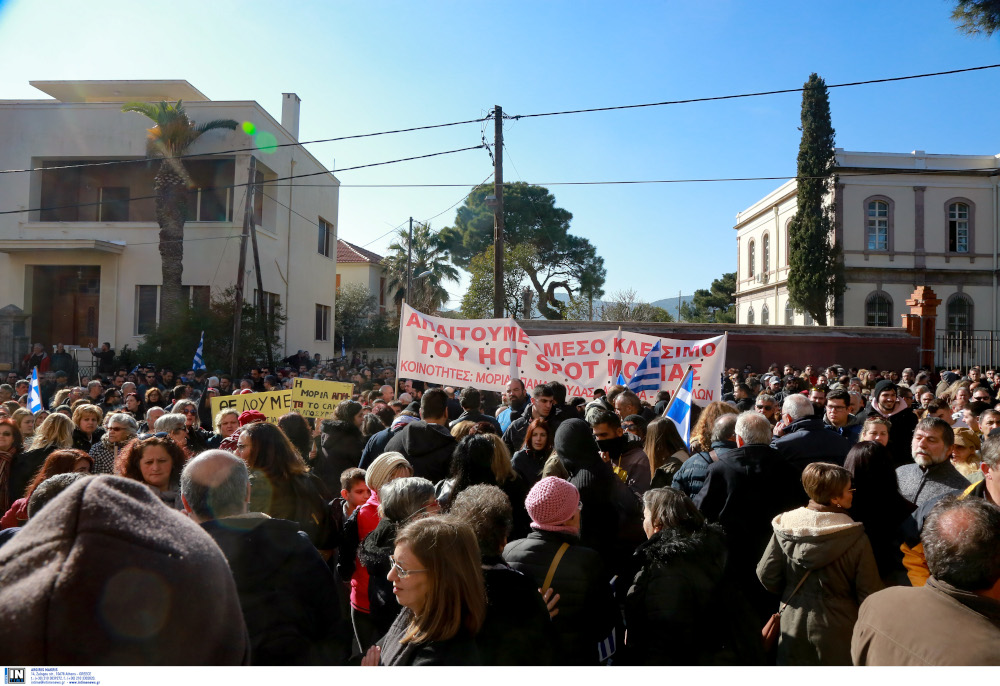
{"type": "Point", "coordinates": [965, 349]}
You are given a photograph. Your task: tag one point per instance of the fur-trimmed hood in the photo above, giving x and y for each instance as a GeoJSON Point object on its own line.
{"type": "Point", "coordinates": [813, 539]}
{"type": "Point", "coordinates": [705, 549]}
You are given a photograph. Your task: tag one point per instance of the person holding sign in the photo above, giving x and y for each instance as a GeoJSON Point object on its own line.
{"type": "Point", "coordinates": [341, 443]}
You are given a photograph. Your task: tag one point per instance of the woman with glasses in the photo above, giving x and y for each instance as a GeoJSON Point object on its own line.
{"type": "Point", "coordinates": [156, 462]}
{"type": "Point", "coordinates": [282, 485]}
{"type": "Point", "coordinates": [820, 561]}
{"type": "Point", "coordinates": [121, 428]}
{"type": "Point", "coordinates": [174, 426]}
{"type": "Point", "coordinates": [154, 397]}
{"type": "Point", "coordinates": [58, 462]}
{"type": "Point", "coordinates": [437, 579]}
{"type": "Point", "coordinates": [197, 438]}
{"type": "Point", "coordinates": [402, 501]}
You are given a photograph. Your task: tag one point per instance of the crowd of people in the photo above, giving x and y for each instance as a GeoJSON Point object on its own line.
{"type": "Point", "coordinates": [814, 517]}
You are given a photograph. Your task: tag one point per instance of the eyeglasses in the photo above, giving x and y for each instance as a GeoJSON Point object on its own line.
{"type": "Point", "coordinates": [765, 407]}
{"type": "Point", "coordinates": [400, 572]}
{"type": "Point", "coordinates": [189, 410]}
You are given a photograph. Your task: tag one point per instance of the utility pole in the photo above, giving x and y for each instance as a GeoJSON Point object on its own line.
{"type": "Point", "coordinates": [498, 212]}
{"type": "Point", "coordinates": [247, 223]}
{"type": "Point", "coordinates": [262, 313]}
{"type": "Point", "coordinates": [409, 263]}
{"type": "Point", "coordinates": [679, 296]}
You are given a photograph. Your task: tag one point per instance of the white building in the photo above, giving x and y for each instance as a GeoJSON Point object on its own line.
{"type": "Point", "coordinates": [902, 221]}
{"type": "Point", "coordinates": [81, 258]}
{"type": "Point", "coordinates": [355, 265]}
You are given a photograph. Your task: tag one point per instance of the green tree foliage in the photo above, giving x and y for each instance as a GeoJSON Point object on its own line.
{"type": "Point", "coordinates": [816, 271]}
{"type": "Point", "coordinates": [716, 305]}
{"type": "Point", "coordinates": [171, 136]}
{"type": "Point", "coordinates": [357, 321]}
{"type": "Point", "coordinates": [977, 17]}
{"type": "Point", "coordinates": [429, 254]}
{"type": "Point", "coordinates": [477, 303]}
{"type": "Point", "coordinates": [559, 260]}
{"type": "Point", "coordinates": [625, 306]}
{"type": "Point", "coordinates": [174, 345]}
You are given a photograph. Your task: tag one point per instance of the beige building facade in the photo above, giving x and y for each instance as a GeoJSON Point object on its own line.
{"type": "Point", "coordinates": [355, 265]}
{"type": "Point", "coordinates": [79, 254]}
{"type": "Point", "coordinates": [902, 221]}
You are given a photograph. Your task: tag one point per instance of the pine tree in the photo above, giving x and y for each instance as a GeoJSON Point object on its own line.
{"type": "Point", "coordinates": [816, 270]}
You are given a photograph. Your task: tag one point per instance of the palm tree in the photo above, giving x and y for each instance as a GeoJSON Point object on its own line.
{"type": "Point", "coordinates": [171, 136]}
{"type": "Point", "coordinates": [429, 255]}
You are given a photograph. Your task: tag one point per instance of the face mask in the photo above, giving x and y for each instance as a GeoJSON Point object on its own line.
{"type": "Point", "coordinates": [612, 446]}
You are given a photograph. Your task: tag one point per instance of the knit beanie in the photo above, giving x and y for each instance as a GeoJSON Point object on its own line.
{"type": "Point", "coordinates": [251, 416]}
{"type": "Point", "coordinates": [378, 472]}
{"type": "Point", "coordinates": [551, 502]}
{"type": "Point", "coordinates": [106, 574]}
{"type": "Point", "coordinates": [883, 385]}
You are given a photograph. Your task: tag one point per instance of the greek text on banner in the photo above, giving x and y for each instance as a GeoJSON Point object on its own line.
{"type": "Point", "coordinates": [318, 399]}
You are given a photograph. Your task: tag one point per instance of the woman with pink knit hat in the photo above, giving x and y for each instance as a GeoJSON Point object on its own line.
{"type": "Point", "coordinates": [553, 557]}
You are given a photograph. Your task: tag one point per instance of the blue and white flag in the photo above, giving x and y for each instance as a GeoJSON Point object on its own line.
{"type": "Point", "coordinates": [621, 379]}
{"type": "Point", "coordinates": [647, 375]}
{"type": "Point", "coordinates": [343, 350]}
{"type": "Point", "coordinates": [34, 393]}
{"type": "Point", "coordinates": [679, 411]}
{"type": "Point", "coordinates": [199, 360]}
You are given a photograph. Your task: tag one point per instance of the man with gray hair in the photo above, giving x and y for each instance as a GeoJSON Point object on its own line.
{"type": "Point", "coordinates": [931, 474]}
{"type": "Point", "coordinates": [954, 619]}
{"type": "Point", "coordinates": [287, 592]}
{"type": "Point", "coordinates": [805, 438]}
{"type": "Point", "coordinates": [691, 476]}
{"type": "Point", "coordinates": [744, 490]}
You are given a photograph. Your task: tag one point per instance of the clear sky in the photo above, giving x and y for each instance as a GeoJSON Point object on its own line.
{"type": "Point", "coordinates": [370, 66]}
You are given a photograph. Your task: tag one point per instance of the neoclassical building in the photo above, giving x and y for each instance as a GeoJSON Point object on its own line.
{"type": "Point", "coordinates": [902, 221]}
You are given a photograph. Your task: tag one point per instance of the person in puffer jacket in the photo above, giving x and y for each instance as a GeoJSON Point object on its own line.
{"type": "Point", "coordinates": [823, 541]}
{"type": "Point", "coordinates": [681, 608]}
{"type": "Point", "coordinates": [588, 617]}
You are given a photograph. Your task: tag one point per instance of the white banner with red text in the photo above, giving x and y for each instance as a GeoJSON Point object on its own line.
{"type": "Point", "coordinates": [488, 353]}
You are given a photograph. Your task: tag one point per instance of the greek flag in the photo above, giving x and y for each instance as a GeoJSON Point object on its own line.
{"type": "Point", "coordinates": [679, 410]}
{"type": "Point", "coordinates": [34, 393]}
{"type": "Point", "coordinates": [647, 375]}
{"type": "Point", "coordinates": [199, 360]}
{"type": "Point", "coordinates": [606, 648]}
{"type": "Point", "coordinates": [620, 381]}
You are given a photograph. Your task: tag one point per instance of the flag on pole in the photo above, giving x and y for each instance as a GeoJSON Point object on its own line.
{"type": "Point", "coordinates": [647, 375]}
{"type": "Point", "coordinates": [343, 350]}
{"type": "Point", "coordinates": [679, 410]}
{"type": "Point", "coordinates": [199, 360]}
{"type": "Point", "coordinates": [34, 393]}
{"type": "Point", "coordinates": [621, 379]}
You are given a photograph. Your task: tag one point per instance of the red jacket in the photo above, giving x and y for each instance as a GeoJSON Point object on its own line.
{"type": "Point", "coordinates": [17, 515]}
{"type": "Point", "coordinates": [368, 519]}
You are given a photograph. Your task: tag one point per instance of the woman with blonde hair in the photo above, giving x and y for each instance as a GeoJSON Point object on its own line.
{"type": "Point", "coordinates": [437, 578]}
{"type": "Point", "coordinates": [666, 452]}
{"type": "Point", "coordinates": [463, 429]}
{"type": "Point", "coordinates": [87, 419]}
{"type": "Point", "coordinates": [26, 424]}
{"type": "Point", "coordinates": [55, 433]}
{"type": "Point", "coordinates": [701, 433]}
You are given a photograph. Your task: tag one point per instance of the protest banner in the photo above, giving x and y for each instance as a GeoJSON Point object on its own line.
{"type": "Point", "coordinates": [487, 353]}
{"type": "Point", "coordinates": [318, 399]}
{"type": "Point", "coordinates": [272, 404]}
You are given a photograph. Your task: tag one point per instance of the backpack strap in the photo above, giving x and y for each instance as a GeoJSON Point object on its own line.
{"type": "Point", "coordinates": [552, 567]}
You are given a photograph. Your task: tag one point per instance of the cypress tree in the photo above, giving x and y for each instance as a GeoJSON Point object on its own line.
{"type": "Point", "coordinates": [816, 270]}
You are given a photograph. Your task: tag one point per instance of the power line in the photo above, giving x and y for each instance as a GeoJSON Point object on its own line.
{"type": "Point", "coordinates": [240, 185]}
{"type": "Point", "coordinates": [515, 117]}
{"type": "Point", "coordinates": [250, 149]}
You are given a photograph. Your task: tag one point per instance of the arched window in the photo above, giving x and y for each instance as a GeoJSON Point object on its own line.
{"type": "Point", "coordinates": [959, 221]}
{"type": "Point", "coordinates": [960, 314]}
{"type": "Point", "coordinates": [765, 315]}
{"type": "Point", "coordinates": [752, 258]}
{"type": "Point", "coordinates": [766, 254]}
{"type": "Point", "coordinates": [878, 309]}
{"type": "Point", "coordinates": [750, 316]}
{"type": "Point", "coordinates": [877, 231]}
{"type": "Point", "coordinates": [789, 314]}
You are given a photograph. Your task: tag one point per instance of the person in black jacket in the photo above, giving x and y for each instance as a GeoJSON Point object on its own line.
{"type": "Point", "coordinates": [341, 444]}
{"type": "Point", "coordinates": [286, 591]}
{"type": "Point", "coordinates": [471, 403]}
{"type": "Point", "coordinates": [806, 439]}
{"type": "Point", "coordinates": [887, 404]}
{"type": "Point", "coordinates": [517, 629]}
{"type": "Point", "coordinates": [542, 407]}
{"type": "Point", "coordinates": [745, 489]}
{"type": "Point", "coordinates": [427, 444]}
{"type": "Point", "coordinates": [530, 459]}
{"type": "Point", "coordinates": [681, 608]}
{"type": "Point", "coordinates": [588, 617]}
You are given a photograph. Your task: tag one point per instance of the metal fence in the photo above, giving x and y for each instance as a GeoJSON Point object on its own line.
{"type": "Point", "coordinates": [965, 349]}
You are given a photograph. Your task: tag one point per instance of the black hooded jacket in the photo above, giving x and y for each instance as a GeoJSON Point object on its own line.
{"type": "Point", "coordinates": [611, 521]}
{"type": "Point", "coordinates": [428, 447]}
{"type": "Point", "coordinates": [517, 630]}
{"type": "Point", "coordinates": [286, 591]}
{"type": "Point", "coordinates": [682, 610]}
{"type": "Point", "coordinates": [340, 446]}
